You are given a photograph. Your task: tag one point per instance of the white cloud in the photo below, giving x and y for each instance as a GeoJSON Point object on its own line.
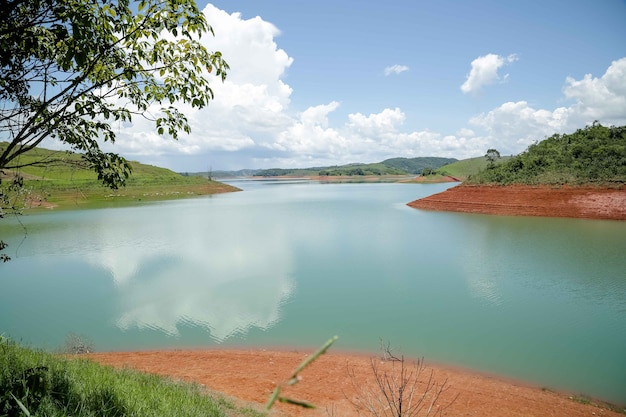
{"type": "Point", "coordinates": [311, 136]}
{"type": "Point", "coordinates": [465, 132]}
{"type": "Point", "coordinates": [364, 138]}
{"type": "Point", "coordinates": [250, 106]}
{"type": "Point", "coordinates": [252, 118]}
{"type": "Point", "coordinates": [513, 126]}
{"type": "Point", "coordinates": [395, 69]}
{"type": "Point", "coordinates": [485, 72]}
{"type": "Point", "coordinates": [311, 141]}
{"type": "Point", "coordinates": [601, 98]}
{"type": "Point", "coordinates": [251, 123]}
{"type": "Point", "coordinates": [376, 125]}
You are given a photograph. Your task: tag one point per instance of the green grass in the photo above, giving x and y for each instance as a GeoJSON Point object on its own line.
{"type": "Point", "coordinates": [62, 169]}
{"type": "Point", "coordinates": [63, 180]}
{"type": "Point", "coordinates": [53, 385]}
{"type": "Point", "coordinates": [466, 167]}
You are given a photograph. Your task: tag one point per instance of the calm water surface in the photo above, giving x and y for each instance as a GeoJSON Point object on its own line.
{"type": "Point", "coordinates": [293, 263]}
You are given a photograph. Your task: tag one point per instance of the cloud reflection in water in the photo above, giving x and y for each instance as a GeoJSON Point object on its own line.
{"type": "Point", "coordinates": [221, 275]}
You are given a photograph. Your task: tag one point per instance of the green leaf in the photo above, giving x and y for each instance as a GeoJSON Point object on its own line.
{"type": "Point", "coordinates": [97, 46]}
{"type": "Point", "coordinates": [19, 403]}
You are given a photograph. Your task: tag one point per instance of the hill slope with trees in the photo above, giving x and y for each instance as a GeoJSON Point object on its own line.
{"type": "Point", "coordinates": [593, 155]}
{"type": "Point", "coordinates": [393, 166]}
{"type": "Point", "coordinates": [581, 175]}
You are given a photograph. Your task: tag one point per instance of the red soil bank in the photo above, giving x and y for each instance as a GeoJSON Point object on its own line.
{"type": "Point", "coordinates": [523, 200]}
{"type": "Point", "coordinates": [252, 375]}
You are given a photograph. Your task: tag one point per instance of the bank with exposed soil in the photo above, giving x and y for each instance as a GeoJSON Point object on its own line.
{"type": "Point", "coordinates": [252, 375]}
{"type": "Point", "coordinates": [587, 202]}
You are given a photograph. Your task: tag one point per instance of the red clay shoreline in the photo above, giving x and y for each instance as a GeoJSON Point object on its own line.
{"type": "Point", "coordinates": [250, 375]}
{"type": "Point", "coordinates": [586, 202]}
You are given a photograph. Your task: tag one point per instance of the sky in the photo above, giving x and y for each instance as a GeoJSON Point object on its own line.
{"type": "Point", "coordinates": [333, 82]}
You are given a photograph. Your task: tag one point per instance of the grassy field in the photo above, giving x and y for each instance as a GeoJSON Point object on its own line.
{"type": "Point", "coordinates": [62, 180]}
{"type": "Point", "coordinates": [459, 170]}
{"type": "Point", "coordinates": [65, 385]}
{"type": "Point", "coordinates": [87, 195]}
{"type": "Point", "coordinates": [462, 169]}
{"type": "Point", "coordinates": [466, 167]}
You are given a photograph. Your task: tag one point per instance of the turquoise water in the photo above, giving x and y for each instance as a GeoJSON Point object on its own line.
{"type": "Point", "coordinates": [293, 263]}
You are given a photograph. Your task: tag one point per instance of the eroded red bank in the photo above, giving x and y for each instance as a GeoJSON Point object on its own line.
{"type": "Point", "coordinates": [523, 200]}
{"type": "Point", "coordinates": [336, 381]}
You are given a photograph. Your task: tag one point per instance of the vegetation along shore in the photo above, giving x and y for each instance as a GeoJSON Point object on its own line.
{"type": "Point", "coordinates": [580, 175]}
{"type": "Point", "coordinates": [238, 383]}
{"type": "Point", "coordinates": [65, 181]}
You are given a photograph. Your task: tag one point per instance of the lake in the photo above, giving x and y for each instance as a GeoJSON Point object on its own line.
{"type": "Point", "coordinates": [292, 263]}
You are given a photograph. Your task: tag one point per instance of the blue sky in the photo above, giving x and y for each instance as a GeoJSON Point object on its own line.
{"type": "Point", "coordinates": [342, 81]}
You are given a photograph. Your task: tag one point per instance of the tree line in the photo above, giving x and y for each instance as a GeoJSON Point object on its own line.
{"type": "Point", "coordinates": [593, 155]}
{"type": "Point", "coordinates": [392, 166]}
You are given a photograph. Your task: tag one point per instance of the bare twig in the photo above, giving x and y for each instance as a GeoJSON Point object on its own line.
{"type": "Point", "coordinates": [399, 389]}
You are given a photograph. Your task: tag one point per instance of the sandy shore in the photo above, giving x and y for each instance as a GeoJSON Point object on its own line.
{"type": "Point", "coordinates": [251, 376]}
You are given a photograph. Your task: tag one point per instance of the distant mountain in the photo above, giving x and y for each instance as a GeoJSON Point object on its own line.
{"type": "Point", "coordinates": [394, 166]}
{"type": "Point", "coordinates": [417, 165]}
{"type": "Point", "coordinates": [223, 173]}
{"type": "Point", "coordinates": [239, 173]}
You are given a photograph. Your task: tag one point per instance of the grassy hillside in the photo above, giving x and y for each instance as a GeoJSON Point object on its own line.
{"type": "Point", "coordinates": [63, 179]}
{"type": "Point", "coordinates": [593, 155]}
{"type": "Point", "coordinates": [60, 168]}
{"type": "Point", "coordinates": [464, 168]}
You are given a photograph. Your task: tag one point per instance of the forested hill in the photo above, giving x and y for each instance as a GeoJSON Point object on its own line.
{"type": "Point", "coordinates": [417, 165]}
{"type": "Point", "coordinates": [394, 166]}
{"type": "Point", "coordinates": [593, 155]}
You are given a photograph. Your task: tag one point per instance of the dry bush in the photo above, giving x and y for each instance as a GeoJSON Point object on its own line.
{"type": "Point", "coordinates": [400, 388]}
